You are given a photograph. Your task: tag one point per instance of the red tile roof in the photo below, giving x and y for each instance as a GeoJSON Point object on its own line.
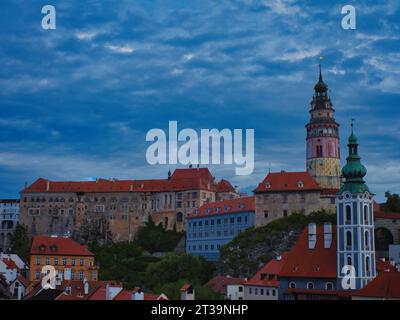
{"type": "Point", "coordinates": [311, 263]}
{"type": "Point", "coordinates": [382, 266]}
{"type": "Point", "coordinates": [219, 283]}
{"type": "Point", "coordinates": [182, 179]}
{"type": "Point", "coordinates": [127, 295]}
{"type": "Point", "coordinates": [237, 205]}
{"type": "Point", "coordinates": [185, 287]}
{"type": "Point", "coordinates": [59, 246]}
{"type": "Point", "coordinates": [267, 276]}
{"type": "Point", "coordinates": [225, 186]}
{"type": "Point", "coordinates": [386, 285]}
{"type": "Point", "coordinates": [287, 181]}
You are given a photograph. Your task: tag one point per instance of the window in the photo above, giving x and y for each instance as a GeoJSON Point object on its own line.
{"type": "Point", "coordinates": [256, 291]}
{"type": "Point", "coordinates": [56, 261]}
{"type": "Point", "coordinates": [64, 261]}
{"type": "Point", "coordinates": [348, 240]}
{"type": "Point", "coordinates": [310, 285]}
{"type": "Point", "coordinates": [266, 214]}
{"type": "Point", "coordinates": [262, 292]}
{"type": "Point", "coordinates": [81, 262]}
{"type": "Point", "coordinates": [329, 286]}
{"type": "Point", "coordinates": [47, 261]}
{"type": "Point", "coordinates": [292, 285]}
{"type": "Point", "coordinates": [81, 275]}
{"type": "Point", "coordinates": [366, 239]}
{"type": "Point", "coordinates": [73, 261]}
{"type": "Point", "coordinates": [285, 213]}
{"type": "Point", "coordinates": [348, 215]}
{"type": "Point", "coordinates": [367, 264]}
{"type": "Point", "coordinates": [250, 290]}
{"type": "Point", "coordinates": [37, 275]}
{"type": "Point", "coordinates": [37, 261]}
{"type": "Point", "coordinates": [366, 215]}
{"type": "Point", "coordinates": [349, 261]}
{"type": "Point", "coordinates": [273, 292]}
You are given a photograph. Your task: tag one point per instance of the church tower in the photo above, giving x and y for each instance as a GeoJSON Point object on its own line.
{"type": "Point", "coordinates": [355, 222]}
{"type": "Point", "coordinates": [323, 149]}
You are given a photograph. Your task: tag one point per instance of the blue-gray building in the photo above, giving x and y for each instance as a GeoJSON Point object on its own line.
{"type": "Point", "coordinates": [215, 224]}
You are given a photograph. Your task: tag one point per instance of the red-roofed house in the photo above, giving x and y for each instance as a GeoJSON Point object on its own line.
{"type": "Point", "coordinates": [230, 287]}
{"type": "Point", "coordinates": [60, 207]}
{"type": "Point", "coordinates": [215, 224]}
{"type": "Point", "coordinates": [225, 191]}
{"type": "Point", "coordinates": [282, 193]}
{"type": "Point", "coordinates": [386, 286]}
{"type": "Point", "coordinates": [71, 260]}
{"type": "Point", "coordinates": [264, 285]}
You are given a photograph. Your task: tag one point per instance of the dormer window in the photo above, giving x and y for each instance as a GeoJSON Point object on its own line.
{"type": "Point", "coordinates": [42, 247]}
{"type": "Point", "coordinates": [53, 248]}
{"type": "Point", "coordinates": [267, 185]}
{"type": "Point", "coordinates": [300, 184]}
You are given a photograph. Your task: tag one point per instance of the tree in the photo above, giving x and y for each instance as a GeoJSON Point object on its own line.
{"type": "Point", "coordinates": [174, 267]}
{"type": "Point", "coordinates": [156, 239]}
{"type": "Point", "coordinates": [392, 203]}
{"type": "Point", "coordinates": [96, 230]}
{"type": "Point", "coordinates": [20, 242]}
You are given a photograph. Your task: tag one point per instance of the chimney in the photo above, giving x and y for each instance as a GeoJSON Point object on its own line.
{"type": "Point", "coordinates": [85, 287]}
{"type": "Point", "coordinates": [327, 235]}
{"type": "Point", "coordinates": [137, 294]}
{"type": "Point", "coordinates": [48, 185]}
{"type": "Point", "coordinates": [187, 292]}
{"type": "Point", "coordinates": [312, 235]}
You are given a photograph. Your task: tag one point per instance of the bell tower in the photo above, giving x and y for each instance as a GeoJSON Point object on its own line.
{"type": "Point", "coordinates": [355, 223]}
{"type": "Point", "coordinates": [323, 149]}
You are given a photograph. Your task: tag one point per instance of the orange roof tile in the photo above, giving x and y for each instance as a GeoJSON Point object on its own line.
{"type": "Point", "coordinates": [59, 246]}
{"type": "Point", "coordinates": [385, 285]}
{"type": "Point", "coordinates": [287, 181]}
{"type": "Point", "coordinates": [219, 283]}
{"type": "Point", "coordinates": [267, 276]}
{"type": "Point", "coordinates": [237, 205]}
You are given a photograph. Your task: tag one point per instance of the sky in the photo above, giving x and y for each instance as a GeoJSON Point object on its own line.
{"type": "Point", "coordinates": [76, 102]}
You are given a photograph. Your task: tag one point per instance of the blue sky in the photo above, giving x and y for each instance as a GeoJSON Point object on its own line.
{"type": "Point", "coordinates": [77, 102]}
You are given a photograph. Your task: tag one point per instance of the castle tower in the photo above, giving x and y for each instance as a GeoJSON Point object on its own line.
{"type": "Point", "coordinates": [355, 221]}
{"type": "Point", "coordinates": [323, 149]}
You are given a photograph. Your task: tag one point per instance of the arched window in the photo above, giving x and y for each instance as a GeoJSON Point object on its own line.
{"type": "Point", "coordinates": [366, 239]}
{"type": "Point", "coordinates": [329, 286]}
{"type": "Point", "coordinates": [292, 285]}
{"type": "Point", "coordinates": [310, 285]}
{"type": "Point", "coordinates": [166, 222]}
{"type": "Point", "coordinates": [348, 215]}
{"type": "Point", "coordinates": [367, 264]}
{"type": "Point", "coordinates": [179, 217]}
{"type": "Point", "coordinates": [348, 240]}
{"type": "Point", "coordinates": [319, 151]}
{"type": "Point", "coordinates": [349, 261]}
{"type": "Point", "coordinates": [366, 220]}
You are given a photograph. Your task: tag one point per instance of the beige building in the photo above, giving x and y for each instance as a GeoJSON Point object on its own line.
{"type": "Point", "coordinates": [54, 207]}
{"type": "Point", "coordinates": [282, 193]}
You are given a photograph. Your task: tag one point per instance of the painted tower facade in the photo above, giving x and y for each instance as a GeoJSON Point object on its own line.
{"type": "Point", "coordinates": [323, 149]}
{"type": "Point", "coordinates": [355, 221]}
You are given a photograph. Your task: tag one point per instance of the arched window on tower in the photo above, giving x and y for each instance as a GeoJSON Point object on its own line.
{"type": "Point", "coordinates": [348, 215]}
{"type": "Point", "coordinates": [349, 241]}
{"type": "Point", "coordinates": [366, 220]}
{"type": "Point", "coordinates": [349, 261]}
{"type": "Point", "coordinates": [366, 239]}
{"type": "Point", "coordinates": [367, 264]}
{"type": "Point", "coordinates": [319, 151]}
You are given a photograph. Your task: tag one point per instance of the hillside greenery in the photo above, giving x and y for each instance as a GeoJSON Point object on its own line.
{"type": "Point", "coordinates": [251, 249]}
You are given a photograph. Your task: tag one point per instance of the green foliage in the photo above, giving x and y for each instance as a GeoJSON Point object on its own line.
{"type": "Point", "coordinates": [172, 291]}
{"type": "Point", "coordinates": [123, 262]}
{"type": "Point", "coordinates": [156, 239]}
{"type": "Point", "coordinates": [20, 242]}
{"type": "Point", "coordinates": [252, 248]}
{"type": "Point", "coordinates": [392, 203]}
{"type": "Point", "coordinates": [173, 267]}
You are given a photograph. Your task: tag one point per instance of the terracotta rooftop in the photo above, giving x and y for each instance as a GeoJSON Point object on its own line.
{"type": "Point", "coordinates": [236, 205]}
{"type": "Point", "coordinates": [225, 186]}
{"type": "Point", "coordinates": [386, 285]}
{"type": "Point", "coordinates": [311, 263]}
{"type": "Point", "coordinates": [287, 181]}
{"type": "Point", "coordinates": [219, 283]}
{"type": "Point", "coordinates": [267, 276]}
{"type": "Point", "coordinates": [59, 246]}
{"type": "Point", "coordinates": [181, 179]}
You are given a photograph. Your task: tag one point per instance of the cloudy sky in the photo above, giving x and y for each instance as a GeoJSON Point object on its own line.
{"type": "Point", "coordinates": [77, 102]}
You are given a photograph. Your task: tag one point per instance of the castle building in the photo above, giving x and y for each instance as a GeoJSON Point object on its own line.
{"type": "Point", "coordinates": [62, 207]}
{"type": "Point", "coordinates": [9, 216]}
{"type": "Point", "coordinates": [323, 149]}
{"type": "Point", "coordinates": [283, 193]}
{"type": "Point", "coordinates": [355, 221]}
{"type": "Point", "coordinates": [215, 224]}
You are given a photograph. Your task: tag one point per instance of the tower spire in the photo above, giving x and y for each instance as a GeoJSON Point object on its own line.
{"type": "Point", "coordinates": [320, 73]}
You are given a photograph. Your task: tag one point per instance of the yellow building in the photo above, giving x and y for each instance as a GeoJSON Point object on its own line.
{"type": "Point", "coordinates": [71, 260]}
